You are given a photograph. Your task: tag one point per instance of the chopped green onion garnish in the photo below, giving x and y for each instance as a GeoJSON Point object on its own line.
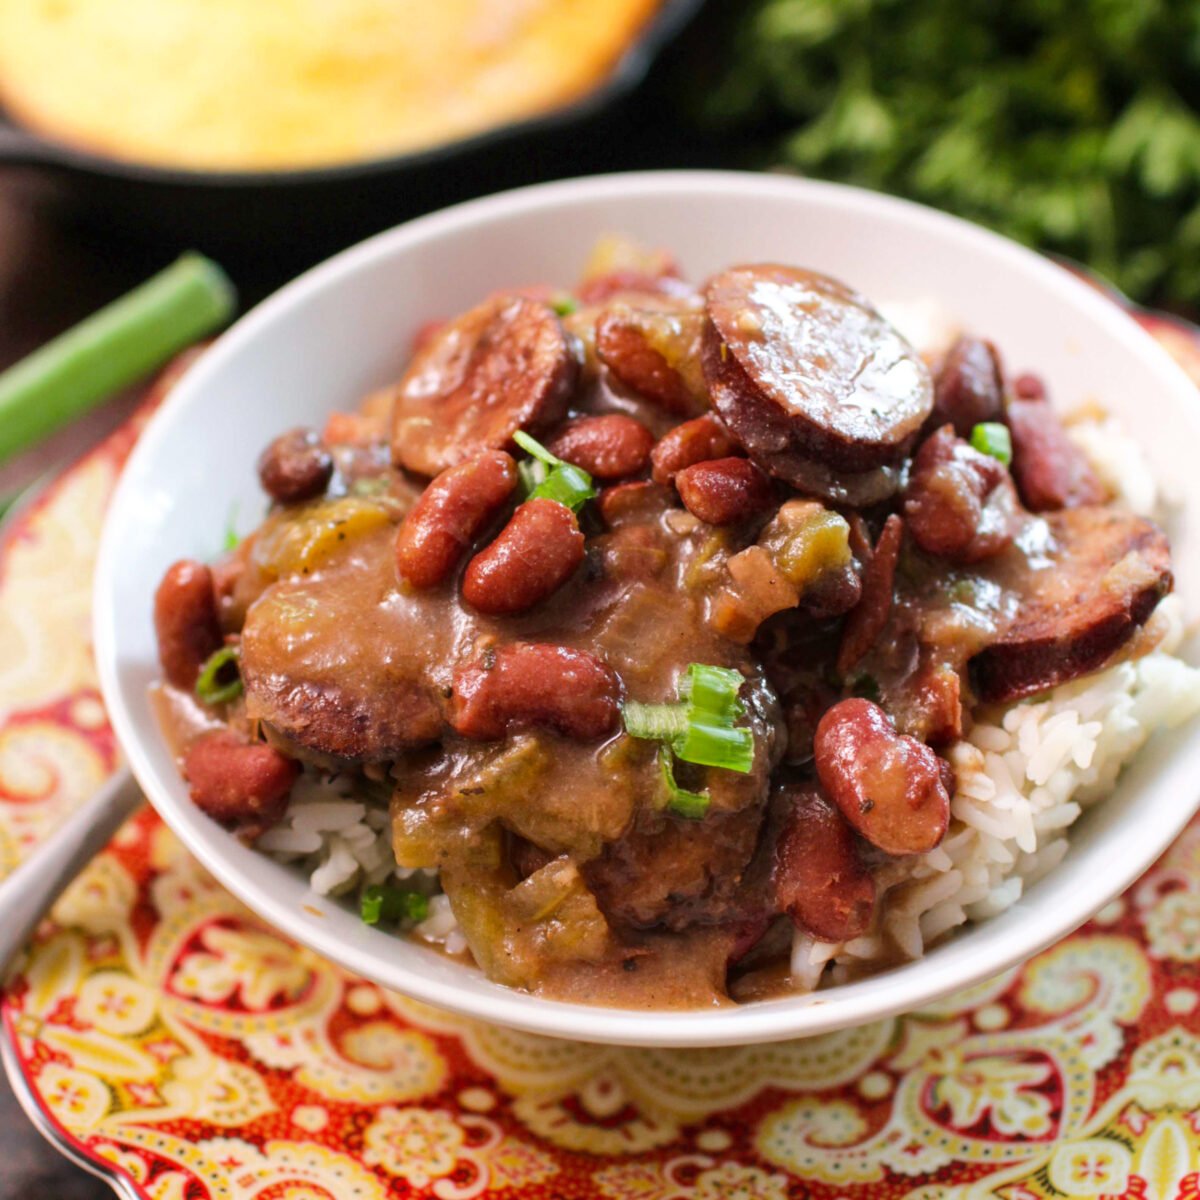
{"type": "Point", "coordinates": [716, 746]}
{"type": "Point", "coordinates": [993, 439]}
{"type": "Point", "coordinates": [209, 687]}
{"type": "Point", "coordinates": [534, 447]}
{"type": "Point", "coordinates": [115, 347]}
{"type": "Point", "coordinates": [699, 728]}
{"type": "Point", "coordinates": [693, 805]}
{"type": "Point", "coordinates": [713, 690]}
{"type": "Point", "coordinates": [532, 473]}
{"type": "Point", "coordinates": [564, 305]}
{"type": "Point", "coordinates": [549, 478]}
{"type": "Point", "coordinates": [568, 485]}
{"type": "Point", "coordinates": [382, 902]}
{"type": "Point", "coordinates": [657, 722]}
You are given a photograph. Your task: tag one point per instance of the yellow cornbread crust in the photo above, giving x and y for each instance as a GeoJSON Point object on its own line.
{"type": "Point", "coordinates": [273, 84]}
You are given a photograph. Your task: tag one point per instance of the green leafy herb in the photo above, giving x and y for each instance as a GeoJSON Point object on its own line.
{"type": "Point", "coordinates": [549, 478]}
{"type": "Point", "coordinates": [382, 902]}
{"type": "Point", "coordinates": [112, 349]}
{"type": "Point", "coordinates": [1072, 125]}
{"type": "Point", "coordinates": [220, 679]}
{"type": "Point", "coordinates": [564, 305]}
{"type": "Point", "coordinates": [993, 439]}
{"type": "Point", "coordinates": [693, 805]}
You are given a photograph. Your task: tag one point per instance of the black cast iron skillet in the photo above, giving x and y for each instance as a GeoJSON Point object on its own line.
{"type": "Point", "coordinates": [308, 213]}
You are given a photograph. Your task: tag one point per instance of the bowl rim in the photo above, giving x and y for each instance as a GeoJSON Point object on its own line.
{"type": "Point", "coordinates": [766, 1021]}
{"type": "Point", "coordinates": [23, 145]}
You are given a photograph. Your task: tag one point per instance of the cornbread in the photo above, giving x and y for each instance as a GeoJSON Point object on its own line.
{"type": "Point", "coordinates": [254, 84]}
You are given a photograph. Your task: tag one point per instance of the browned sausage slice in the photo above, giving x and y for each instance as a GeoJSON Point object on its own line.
{"type": "Point", "coordinates": [672, 872]}
{"type": "Point", "coordinates": [503, 366]}
{"type": "Point", "coordinates": [799, 363]}
{"type": "Point", "coordinates": [337, 663]}
{"type": "Point", "coordinates": [1105, 578]}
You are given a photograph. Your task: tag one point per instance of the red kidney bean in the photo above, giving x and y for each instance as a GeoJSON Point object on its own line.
{"type": "Point", "coordinates": [239, 783]}
{"type": "Point", "coordinates": [450, 514]}
{"type": "Point", "coordinates": [631, 343]}
{"type": "Point", "coordinates": [866, 622]}
{"type": "Point", "coordinates": [1029, 387]}
{"type": "Point", "coordinates": [529, 684]}
{"type": "Point", "coordinates": [186, 621]}
{"type": "Point", "coordinates": [888, 786]}
{"type": "Point", "coordinates": [295, 467]}
{"type": "Point", "coordinates": [607, 447]}
{"type": "Point", "coordinates": [959, 504]}
{"type": "Point", "coordinates": [695, 441]}
{"type": "Point", "coordinates": [818, 875]}
{"type": "Point", "coordinates": [1051, 472]}
{"type": "Point", "coordinates": [970, 386]}
{"type": "Point", "coordinates": [531, 558]}
{"type": "Point", "coordinates": [724, 491]}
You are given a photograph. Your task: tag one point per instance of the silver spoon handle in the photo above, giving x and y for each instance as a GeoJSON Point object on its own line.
{"type": "Point", "coordinates": [27, 895]}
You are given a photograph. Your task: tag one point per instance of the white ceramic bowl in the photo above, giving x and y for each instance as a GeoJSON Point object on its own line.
{"type": "Point", "coordinates": [329, 337]}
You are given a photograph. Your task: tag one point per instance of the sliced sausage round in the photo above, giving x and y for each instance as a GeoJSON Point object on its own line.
{"type": "Point", "coordinates": [1105, 574]}
{"type": "Point", "coordinates": [673, 872]}
{"type": "Point", "coordinates": [506, 365]}
{"type": "Point", "coordinates": [799, 363]}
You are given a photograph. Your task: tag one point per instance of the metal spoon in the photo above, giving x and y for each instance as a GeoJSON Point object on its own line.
{"type": "Point", "coordinates": [28, 894]}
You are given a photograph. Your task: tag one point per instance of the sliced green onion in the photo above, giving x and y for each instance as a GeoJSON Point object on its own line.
{"type": "Point", "coordinates": [112, 349]}
{"type": "Point", "coordinates": [993, 439]}
{"type": "Point", "coordinates": [699, 728]}
{"type": "Point", "coordinates": [564, 305]}
{"type": "Point", "coordinates": [567, 485]}
{"type": "Point", "coordinates": [657, 722]}
{"type": "Point", "coordinates": [559, 481]}
{"type": "Point", "coordinates": [724, 746]}
{"type": "Point", "coordinates": [713, 690]}
{"type": "Point", "coordinates": [382, 902]}
{"type": "Point", "coordinates": [534, 447]}
{"type": "Point", "coordinates": [531, 473]}
{"type": "Point", "coordinates": [692, 805]}
{"type": "Point", "coordinates": [209, 687]}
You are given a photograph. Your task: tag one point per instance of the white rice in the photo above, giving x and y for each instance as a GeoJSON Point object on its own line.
{"type": "Point", "coordinates": [1025, 773]}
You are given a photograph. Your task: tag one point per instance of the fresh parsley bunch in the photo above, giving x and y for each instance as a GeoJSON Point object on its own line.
{"type": "Point", "coordinates": [1071, 125]}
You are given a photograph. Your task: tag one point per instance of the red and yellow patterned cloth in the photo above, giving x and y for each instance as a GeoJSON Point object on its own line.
{"type": "Point", "coordinates": [186, 1049]}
